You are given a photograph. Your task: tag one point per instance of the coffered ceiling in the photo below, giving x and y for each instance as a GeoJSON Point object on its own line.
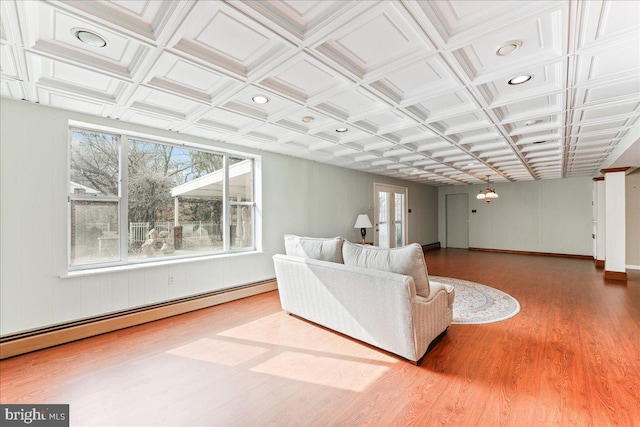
{"type": "Point", "coordinates": [420, 89]}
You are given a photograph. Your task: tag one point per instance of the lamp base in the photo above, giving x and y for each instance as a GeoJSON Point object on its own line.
{"type": "Point", "coordinates": [363, 233]}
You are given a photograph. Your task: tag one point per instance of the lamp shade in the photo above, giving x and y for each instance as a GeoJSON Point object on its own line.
{"type": "Point", "coordinates": [363, 221]}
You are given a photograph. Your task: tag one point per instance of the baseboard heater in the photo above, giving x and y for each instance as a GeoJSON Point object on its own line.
{"type": "Point", "coordinates": [430, 246]}
{"type": "Point", "coordinates": [38, 339]}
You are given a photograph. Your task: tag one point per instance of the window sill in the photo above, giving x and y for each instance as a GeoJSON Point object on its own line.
{"type": "Point", "coordinates": [151, 264]}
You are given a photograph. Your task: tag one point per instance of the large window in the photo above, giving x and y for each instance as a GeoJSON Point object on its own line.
{"type": "Point", "coordinates": [133, 199]}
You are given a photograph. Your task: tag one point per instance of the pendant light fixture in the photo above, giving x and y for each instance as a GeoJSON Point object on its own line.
{"type": "Point", "coordinates": [487, 194]}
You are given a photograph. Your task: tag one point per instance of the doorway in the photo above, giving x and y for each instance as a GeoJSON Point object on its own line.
{"type": "Point", "coordinates": [390, 215]}
{"type": "Point", "coordinates": [457, 206]}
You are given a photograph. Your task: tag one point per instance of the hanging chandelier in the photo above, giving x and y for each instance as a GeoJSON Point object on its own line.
{"type": "Point", "coordinates": [487, 194]}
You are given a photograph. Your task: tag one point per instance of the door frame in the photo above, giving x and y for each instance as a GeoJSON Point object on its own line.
{"type": "Point", "coordinates": [394, 189]}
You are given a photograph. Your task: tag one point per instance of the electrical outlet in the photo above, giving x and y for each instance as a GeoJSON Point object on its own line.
{"type": "Point", "coordinates": [171, 280]}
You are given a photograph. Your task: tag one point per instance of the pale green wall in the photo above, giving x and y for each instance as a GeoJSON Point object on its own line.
{"type": "Point", "coordinates": [551, 216]}
{"type": "Point", "coordinates": [324, 200]}
{"type": "Point", "coordinates": [299, 196]}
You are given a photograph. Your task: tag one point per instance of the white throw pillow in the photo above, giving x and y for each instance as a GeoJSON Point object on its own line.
{"type": "Point", "coordinates": [315, 248]}
{"type": "Point", "coordinates": [407, 260]}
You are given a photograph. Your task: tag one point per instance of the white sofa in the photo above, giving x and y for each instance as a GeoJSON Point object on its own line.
{"type": "Point", "coordinates": [365, 292]}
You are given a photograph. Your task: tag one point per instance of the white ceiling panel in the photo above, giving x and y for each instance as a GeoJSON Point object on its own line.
{"type": "Point", "coordinates": [439, 106]}
{"type": "Point", "coordinates": [473, 136]}
{"type": "Point", "coordinates": [608, 64]}
{"type": "Point", "coordinates": [209, 132]}
{"type": "Point", "coordinates": [530, 109]}
{"type": "Point", "coordinates": [301, 20]}
{"type": "Point", "coordinates": [222, 37]}
{"type": "Point", "coordinates": [277, 106]}
{"type": "Point", "coordinates": [378, 41]}
{"type": "Point", "coordinates": [411, 134]}
{"type": "Point", "coordinates": [417, 81]}
{"type": "Point", "coordinates": [626, 89]}
{"type": "Point", "coordinates": [80, 81]}
{"type": "Point", "coordinates": [462, 123]}
{"type": "Point", "coordinates": [309, 142]}
{"type": "Point", "coordinates": [453, 18]}
{"type": "Point", "coordinates": [523, 127]}
{"type": "Point", "coordinates": [543, 79]}
{"type": "Point", "coordinates": [165, 103]}
{"type": "Point", "coordinates": [413, 90]}
{"type": "Point", "coordinates": [353, 104]}
{"type": "Point", "coordinates": [144, 18]}
{"type": "Point", "coordinates": [11, 89]}
{"type": "Point", "coordinates": [272, 132]}
{"type": "Point", "coordinates": [51, 31]}
{"type": "Point", "coordinates": [305, 79]}
{"type": "Point", "coordinates": [386, 121]}
{"type": "Point", "coordinates": [605, 21]}
{"type": "Point", "coordinates": [587, 129]}
{"type": "Point", "coordinates": [68, 102]}
{"type": "Point", "coordinates": [150, 118]}
{"type": "Point", "coordinates": [8, 61]}
{"type": "Point", "coordinates": [539, 39]}
{"type": "Point", "coordinates": [609, 112]}
{"type": "Point", "coordinates": [175, 74]}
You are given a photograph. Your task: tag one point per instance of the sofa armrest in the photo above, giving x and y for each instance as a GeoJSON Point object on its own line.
{"type": "Point", "coordinates": [432, 315]}
{"type": "Point", "coordinates": [434, 289]}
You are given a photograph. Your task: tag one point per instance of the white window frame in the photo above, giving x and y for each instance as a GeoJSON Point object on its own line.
{"type": "Point", "coordinates": [124, 138]}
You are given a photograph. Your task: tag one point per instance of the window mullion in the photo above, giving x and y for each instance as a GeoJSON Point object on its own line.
{"type": "Point", "coordinates": [226, 206]}
{"type": "Point", "coordinates": [124, 198]}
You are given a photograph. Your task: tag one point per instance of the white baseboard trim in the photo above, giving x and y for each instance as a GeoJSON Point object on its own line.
{"type": "Point", "coordinates": [22, 343]}
{"type": "Point", "coordinates": [632, 267]}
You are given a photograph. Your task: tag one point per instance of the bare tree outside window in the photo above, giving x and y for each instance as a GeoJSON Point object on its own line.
{"type": "Point", "coordinates": [174, 197]}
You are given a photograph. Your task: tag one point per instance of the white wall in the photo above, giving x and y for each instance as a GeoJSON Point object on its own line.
{"type": "Point", "coordinates": [299, 196]}
{"type": "Point", "coordinates": [632, 203]}
{"type": "Point", "coordinates": [552, 216]}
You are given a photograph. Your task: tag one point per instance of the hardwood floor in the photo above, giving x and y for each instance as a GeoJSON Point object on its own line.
{"type": "Point", "coordinates": [570, 357]}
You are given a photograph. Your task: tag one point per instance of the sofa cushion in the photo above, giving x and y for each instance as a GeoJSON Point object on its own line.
{"type": "Point", "coordinates": [407, 260]}
{"type": "Point", "coordinates": [314, 248]}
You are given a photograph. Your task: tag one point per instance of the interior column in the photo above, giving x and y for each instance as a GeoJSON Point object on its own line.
{"type": "Point", "coordinates": [600, 229]}
{"type": "Point", "coordinates": [615, 226]}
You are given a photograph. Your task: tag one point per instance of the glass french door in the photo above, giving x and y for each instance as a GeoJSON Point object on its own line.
{"type": "Point", "coordinates": [390, 215]}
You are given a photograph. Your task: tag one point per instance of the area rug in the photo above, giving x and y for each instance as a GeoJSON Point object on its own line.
{"type": "Point", "coordinates": [475, 303]}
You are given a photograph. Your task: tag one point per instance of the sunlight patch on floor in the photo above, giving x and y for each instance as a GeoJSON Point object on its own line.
{"type": "Point", "coordinates": [283, 331]}
{"type": "Point", "coordinates": [326, 371]}
{"type": "Point", "coordinates": [221, 352]}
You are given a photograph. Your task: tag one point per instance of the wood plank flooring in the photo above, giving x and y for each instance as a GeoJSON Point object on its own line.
{"type": "Point", "coordinates": [571, 357]}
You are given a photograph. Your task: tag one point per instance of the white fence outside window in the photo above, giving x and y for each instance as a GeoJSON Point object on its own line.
{"type": "Point", "coordinates": [139, 231]}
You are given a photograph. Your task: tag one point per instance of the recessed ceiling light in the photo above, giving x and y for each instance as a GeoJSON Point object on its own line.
{"type": "Point", "coordinates": [260, 99]}
{"type": "Point", "coordinates": [507, 48]}
{"type": "Point", "coordinates": [518, 80]}
{"type": "Point", "coordinates": [341, 130]}
{"type": "Point", "coordinates": [89, 37]}
{"type": "Point", "coordinates": [531, 122]}
{"type": "Point", "coordinates": [307, 119]}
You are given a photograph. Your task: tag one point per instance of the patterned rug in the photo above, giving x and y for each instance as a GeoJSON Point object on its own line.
{"type": "Point", "coordinates": [476, 303]}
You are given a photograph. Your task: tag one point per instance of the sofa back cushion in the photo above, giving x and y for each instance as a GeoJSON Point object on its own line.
{"type": "Point", "coordinates": [407, 260]}
{"type": "Point", "coordinates": [315, 248]}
